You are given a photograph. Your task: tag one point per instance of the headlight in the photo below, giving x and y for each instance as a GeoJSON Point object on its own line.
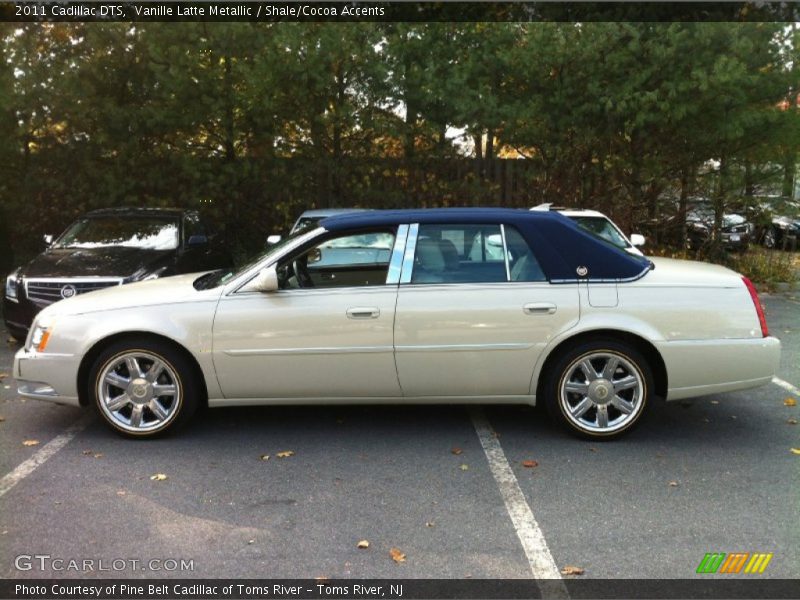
{"type": "Point", "coordinates": [41, 335]}
{"type": "Point", "coordinates": [12, 286]}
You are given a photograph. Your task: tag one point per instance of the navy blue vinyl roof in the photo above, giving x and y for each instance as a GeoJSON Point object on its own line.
{"type": "Point", "coordinates": [562, 248]}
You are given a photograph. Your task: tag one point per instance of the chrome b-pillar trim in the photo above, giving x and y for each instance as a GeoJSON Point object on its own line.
{"type": "Point", "coordinates": [408, 257]}
{"type": "Point", "coordinates": [396, 262]}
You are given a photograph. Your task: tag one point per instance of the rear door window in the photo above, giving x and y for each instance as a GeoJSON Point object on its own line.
{"type": "Point", "coordinates": [473, 253]}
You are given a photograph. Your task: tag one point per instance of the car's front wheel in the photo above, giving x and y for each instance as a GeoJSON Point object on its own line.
{"type": "Point", "coordinates": [142, 388]}
{"type": "Point", "coordinates": [599, 389]}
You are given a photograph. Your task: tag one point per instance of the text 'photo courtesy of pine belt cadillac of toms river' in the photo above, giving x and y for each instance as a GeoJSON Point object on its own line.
{"type": "Point", "coordinates": [468, 305]}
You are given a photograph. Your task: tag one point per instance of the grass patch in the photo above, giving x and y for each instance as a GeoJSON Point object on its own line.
{"type": "Point", "coordinates": [766, 268]}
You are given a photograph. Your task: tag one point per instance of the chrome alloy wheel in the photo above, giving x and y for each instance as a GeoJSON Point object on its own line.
{"type": "Point", "coordinates": [139, 392]}
{"type": "Point", "coordinates": [602, 392]}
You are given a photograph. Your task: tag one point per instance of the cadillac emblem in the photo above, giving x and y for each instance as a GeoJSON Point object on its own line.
{"type": "Point", "coordinates": [68, 291]}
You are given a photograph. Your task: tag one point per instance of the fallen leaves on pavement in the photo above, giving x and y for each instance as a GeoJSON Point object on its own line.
{"type": "Point", "coordinates": [3, 376]}
{"type": "Point", "coordinates": [464, 467]}
{"type": "Point", "coordinates": [673, 484]}
{"type": "Point", "coordinates": [796, 451]}
{"type": "Point", "coordinates": [2, 418]}
{"type": "Point", "coordinates": [158, 477]}
{"type": "Point", "coordinates": [430, 524]}
{"type": "Point", "coordinates": [363, 544]}
{"type": "Point", "coordinates": [397, 555]}
{"type": "Point", "coordinates": [572, 570]}
{"type": "Point", "coordinates": [790, 402]}
{"type": "Point", "coordinates": [30, 443]}
{"type": "Point", "coordinates": [264, 457]}
{"type": "Point", "coordinates": [791, 421]}
{"type": "Point", "coordinates": [285, 454]}
{"type": "Point", "coordinates": [529, 464]}
{"type": "Point", "coordinates": [456, 450]}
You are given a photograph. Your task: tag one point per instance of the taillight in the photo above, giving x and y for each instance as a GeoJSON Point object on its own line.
{"type": "Point", "coordinates": [762, 319]}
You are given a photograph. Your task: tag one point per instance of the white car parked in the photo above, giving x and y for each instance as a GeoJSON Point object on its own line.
{"type": "Point", "coordinates": [429, 306]}
{"type": "Point", "coordinates": [599, 224]}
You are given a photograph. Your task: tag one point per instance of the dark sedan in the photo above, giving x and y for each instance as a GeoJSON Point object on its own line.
{"type": "Point", "coordinates": [110, 247]}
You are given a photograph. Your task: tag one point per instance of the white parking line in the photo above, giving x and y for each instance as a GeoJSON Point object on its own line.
{"type": "Point", "coordinates": [786, 385]}
{"type": "Point", "coordinates": [542, 565]}
{"type": "Point", "coordinates": [28, 466]}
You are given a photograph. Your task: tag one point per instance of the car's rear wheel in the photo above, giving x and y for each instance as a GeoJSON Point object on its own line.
{"type": "Point", "coordinates": [770, 238]}
{"type": "Point", "coordinates": [599, 389]}
{"type": "Point", "coordinates": [143, 388]}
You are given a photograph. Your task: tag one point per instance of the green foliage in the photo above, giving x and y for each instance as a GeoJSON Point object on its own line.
{"type": "Point", "coordinates": [256, 122]}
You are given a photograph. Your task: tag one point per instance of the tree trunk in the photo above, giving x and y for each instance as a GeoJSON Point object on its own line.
{"type": "Point", "coordinates": [230, 142]}
{"type": "Point", "coordinates": [789, 168]}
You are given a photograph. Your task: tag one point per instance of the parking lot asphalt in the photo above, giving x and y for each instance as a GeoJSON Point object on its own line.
{"type": "Point", "coordinates": [714, 474]}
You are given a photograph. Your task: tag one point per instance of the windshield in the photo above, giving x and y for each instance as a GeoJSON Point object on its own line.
{"type": "Point", "coordinates": [602, 227]}
{"type": "Point", "coordinates": [210, 280]}
{"type": "Point", "coordinates": [132, 232]}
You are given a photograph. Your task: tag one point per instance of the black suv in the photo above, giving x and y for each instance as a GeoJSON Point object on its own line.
{"type": "Point", "coordinates": [109, 247]}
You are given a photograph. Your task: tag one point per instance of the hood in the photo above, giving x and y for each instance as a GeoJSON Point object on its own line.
{"type": "Point", "coordinates": [156, 292]}
{"type": "Point", "coordinates": [107, 261]}
{"type": "Point", "coordinates": [692, 273]}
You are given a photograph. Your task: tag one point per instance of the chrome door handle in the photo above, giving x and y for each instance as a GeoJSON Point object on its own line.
{"type": "Point", "coordinates": [539, 308]}
{"type": "Point", "coordinates": [361, 312]}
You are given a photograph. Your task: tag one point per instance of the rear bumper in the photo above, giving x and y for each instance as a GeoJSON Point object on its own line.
{"type": "Point", "coordinates": [701, 367]}
{"type": "Point", "coordinates": [50, 377]}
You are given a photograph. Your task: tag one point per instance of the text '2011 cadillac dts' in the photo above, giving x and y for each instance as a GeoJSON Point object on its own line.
{"type": "Point", "coordinates": [420, 306]}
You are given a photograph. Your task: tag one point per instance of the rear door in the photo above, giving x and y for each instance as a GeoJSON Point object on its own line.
{"type": "Point", "coordinates": [474, 312]}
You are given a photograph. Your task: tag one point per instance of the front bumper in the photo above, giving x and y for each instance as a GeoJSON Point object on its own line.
{"type": "Point", "coordinates": [47, 376]}
{"type": "Point", "coordinates": [702, 367]}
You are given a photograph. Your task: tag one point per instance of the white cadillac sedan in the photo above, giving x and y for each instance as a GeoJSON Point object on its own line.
{"type": "Point", "coordinates": [426, 306]}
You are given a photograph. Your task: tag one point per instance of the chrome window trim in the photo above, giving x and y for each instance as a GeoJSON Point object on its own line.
{"type": "Point", "coordinates": [505, 250]}
{"type": "Point", "coordinates": [599, 280]}
{"type": "Point", "coordinates": [398, 253]}
{"type": "Point", "coordinates": [408, 256]}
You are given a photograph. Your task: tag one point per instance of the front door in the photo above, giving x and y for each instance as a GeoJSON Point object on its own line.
{"type": "Point", "coordinates": [327, 333]}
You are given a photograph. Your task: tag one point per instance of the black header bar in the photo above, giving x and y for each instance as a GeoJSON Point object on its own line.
{"type": "Point", "coordinates": [360, 12]}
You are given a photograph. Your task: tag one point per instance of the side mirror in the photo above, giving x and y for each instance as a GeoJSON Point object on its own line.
{"type": "Point", "coordinates": [197, 240]}
{"type": "Point", "coordinates": [272, 240]}
{"type": "Point", "coordinates": [637, 239]}
{"type": "Point", "coordinates": [265, 281]}
{"type": "Point", "coordinates": [48, 239]}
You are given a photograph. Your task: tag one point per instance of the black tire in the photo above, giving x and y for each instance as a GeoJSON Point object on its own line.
{"type": "Point", "coordinates": [177, 373]}
{"type": "Point", "coordinates": [771, 238]}
{"type": "Point", "coordinates": [563, 371]}
{"type": "Point", "coordinates": [18, 335]}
